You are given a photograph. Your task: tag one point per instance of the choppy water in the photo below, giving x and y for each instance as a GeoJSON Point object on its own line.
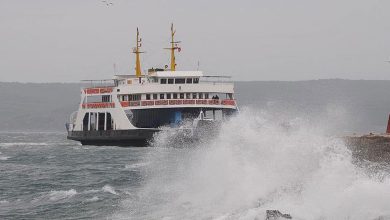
{"type": "Point", "coordinates": [254, 164]}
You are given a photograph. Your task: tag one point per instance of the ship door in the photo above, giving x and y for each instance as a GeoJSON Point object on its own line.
{"type": "Point", "coordinates": [85, 122]}
{"type": "Point", "coordinates": [108, 121]}
{"type": "Point", "coordinates": [101, 119]}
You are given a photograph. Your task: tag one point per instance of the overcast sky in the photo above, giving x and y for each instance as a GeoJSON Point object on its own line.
{"type": "Point", "coordinates": [67, 41]}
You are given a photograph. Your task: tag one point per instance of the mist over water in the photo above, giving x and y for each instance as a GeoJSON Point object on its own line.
{"type": "Point", "coordinates": [259, 160]}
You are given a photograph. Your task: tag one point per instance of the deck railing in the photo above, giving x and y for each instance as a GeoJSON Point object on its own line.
{"type": "Point", "coordinates": [172, 102]}
{"type": "Point", "coordinates": [230, 102]}
{"type": "Point", "coordinates": [98, 90]}
{"type": "Point", "coordinates": [99, 105]}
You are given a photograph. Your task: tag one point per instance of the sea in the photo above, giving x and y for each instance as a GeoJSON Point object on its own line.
{"type": "Point", "coordinates": [271, 156]}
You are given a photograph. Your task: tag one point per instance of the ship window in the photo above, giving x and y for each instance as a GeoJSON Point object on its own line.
{"type": "Point", "coordinates": [194, 95]}
{"type": "Point", "coordinates": [170, 81]}
{"type": "Point", "coordinates": [125, 98]}
{"type": "Point", "coordinates": [161, 96]}
{"type": "Point", "coordinates": [196, 80]}
{"type": "Point", "coordinates": [200, 95]}
{"type": "Point", "coordinates": [174, 95]}
{"type": "Point", "coordinates": [188, 95]}
{"type": "Point", "coordinates": [147, 96]}
{"type": "Point", "coordinates": [154, 96]}
{"type": "Point", "coordinates": [206, 96]}
{"type": "Point", "coordinates": [182, 95]}
{"type": "Point", "coordinates": [168, 95]}
{"type": "Point", "coordinates": [189, 80]}
{"type": "Point", "coordinates": [180, 81]}
{"type": "Point", "coordinates": [106, 98]}
{"type": "Point", "coordinates": [135, 97]}
{"type": "Point", "coordinates": [153, 79]}
{"type": "Point", "coordinates": [163, 81]}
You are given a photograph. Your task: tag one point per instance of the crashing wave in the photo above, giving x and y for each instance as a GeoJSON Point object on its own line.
{"type": "Point", "coordinates": [254, 165]}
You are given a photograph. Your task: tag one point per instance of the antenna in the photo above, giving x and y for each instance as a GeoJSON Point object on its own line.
{"type": "Point", "coordinates": [198, 66]}
{"type": "Point", "coordinates": [174, 46]}
{"type": "Point", "coordinates": [114, 65]}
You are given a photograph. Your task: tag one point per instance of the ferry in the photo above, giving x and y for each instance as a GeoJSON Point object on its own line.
{"type": "Point", "coordinates": [130, 109]}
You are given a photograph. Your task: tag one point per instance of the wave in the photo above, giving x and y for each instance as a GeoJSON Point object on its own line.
{"type": "Point", "coordinates": [92, 191]}
{"type": "Point", "coordinates": [257, 163]}
{"type": "Point", "coordinates": [54, 196]}
{"type": "Point", "coordinates": [135, 166]}
{"type": "Point", "coordinates": [61, 194]}
{"type": "Point", "coordinates": [109, 189]}
{"type": "Point", "coordinates": [93, 199]}
{"type": "Point", "coordinates": [4, 158]}
{"type": "Point", "coordinates": [23, 144]}
{"type": "Point", "coordinates": [3, 202]}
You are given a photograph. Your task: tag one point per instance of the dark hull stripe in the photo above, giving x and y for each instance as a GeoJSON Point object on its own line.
{"type": "Point", "coordinates": [133, 137]}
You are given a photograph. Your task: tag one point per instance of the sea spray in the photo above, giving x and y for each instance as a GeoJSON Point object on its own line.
{"type": "Point", "coordinates": [259, 162]}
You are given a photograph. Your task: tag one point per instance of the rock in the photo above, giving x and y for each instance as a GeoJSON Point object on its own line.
{"type": "Point", "coordinates": [374, 148]}
{"type": "Point", "coordinates": [276, 214]}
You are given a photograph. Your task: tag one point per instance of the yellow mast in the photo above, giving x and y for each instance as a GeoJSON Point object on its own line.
{"type": "Point", "coordinates": [173, 48]}
{"type": "Point", "coordinates": [137, 59]}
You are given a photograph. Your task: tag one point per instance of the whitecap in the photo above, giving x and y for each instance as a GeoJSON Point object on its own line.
{"type": "Point", "coordinates": [109, 189]}
{"type": "Point", "coordinates": [3, 202]}
{"type": "Point", "coordinates": [93, 199]}
{"type": "Point", "coordinates": [91, 191]}
{"type": "Point", "coordinates": [4, 158]}
{"type": "Point", "coordinates": [23, 144]}
{"type": "Point", "coordinates": [61, 194]}
{"type": "Point", "coordinates": [135, 165]}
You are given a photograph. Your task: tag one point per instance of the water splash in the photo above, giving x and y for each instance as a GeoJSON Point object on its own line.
{"type": "Point", "coordinates": [258, 162]}
{"type": "Point", "coordinates": [109, 189]}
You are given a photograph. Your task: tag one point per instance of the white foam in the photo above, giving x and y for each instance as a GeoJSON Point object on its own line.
{"type": "Point", "coordinates": [23, 144]}
{"type": "Point", "coordinates": [4, 158]}
{"type": "Point", "coordinates": [93, 199]}
{"type": "Point", "coordinates": [92, 191]}
{"type": "Point", "coordinates": [109, 189]}
{"type": "Point", "coordinates": [255, 164]}
{"type": "Point", "coordinates": [135, 166]}
{"type": "Point", "coordinates": [61, 194]}
{"type": "Point", "coordinates": [3, 202]}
